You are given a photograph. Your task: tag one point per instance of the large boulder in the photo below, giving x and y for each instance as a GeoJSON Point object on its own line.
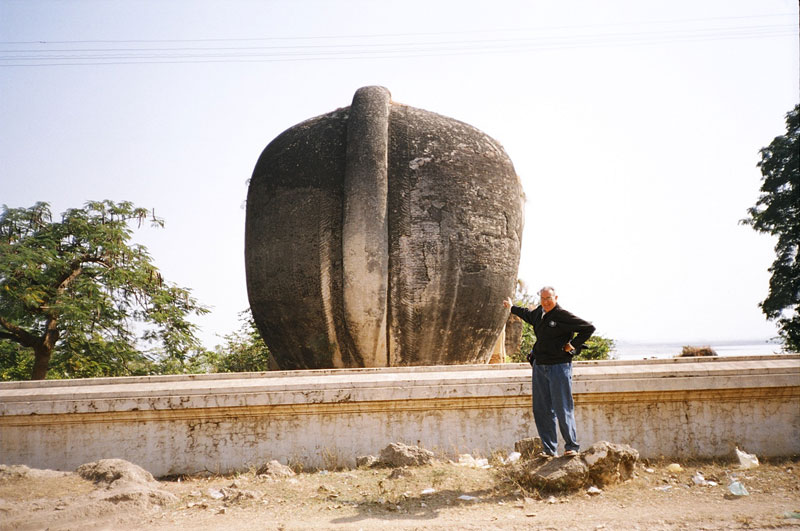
{"type": "Point", "coordinates": [603, 464]}
{"type": "Point", "coordinates": [381, 235]}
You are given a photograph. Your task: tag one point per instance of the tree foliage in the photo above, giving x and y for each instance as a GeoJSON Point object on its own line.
{"type": "Point", "coordinates": [777, 212]}
{"type": "Point", "coordinates": [599, 347]}
{"type": "Point", "coordinates": [243, 351]}
{"type": "Point", "coordinates": [77, 294]}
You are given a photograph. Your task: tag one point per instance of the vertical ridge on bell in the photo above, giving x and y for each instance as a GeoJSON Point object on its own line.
{"type": "Point", "coordinates": [365, 231]}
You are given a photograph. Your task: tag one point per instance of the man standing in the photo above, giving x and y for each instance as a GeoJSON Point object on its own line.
{"type": "Point", "coordinates": [559, 336]}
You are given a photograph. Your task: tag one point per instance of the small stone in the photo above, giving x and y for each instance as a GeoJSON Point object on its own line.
{"type": "Point", "coordinates": [366, 461]}
{"type": "Point", "coordinates": [276, 469]}
{"type": "Point", "coordinates": [398, 473]}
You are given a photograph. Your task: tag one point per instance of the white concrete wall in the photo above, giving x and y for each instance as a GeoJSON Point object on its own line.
{"type": "Point", "coordinates": [182, 424]}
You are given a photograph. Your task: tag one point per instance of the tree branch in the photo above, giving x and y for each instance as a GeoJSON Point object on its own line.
{"type": "Point", "coordinates": [66, 279]}
{"type": "Point", "coordinates": [20, 335]}
{"type": "Point", "coordinates": [8, 335]}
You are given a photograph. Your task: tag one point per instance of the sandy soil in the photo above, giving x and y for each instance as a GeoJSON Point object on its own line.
{"type": "Point", "coordinates": [440, 496]}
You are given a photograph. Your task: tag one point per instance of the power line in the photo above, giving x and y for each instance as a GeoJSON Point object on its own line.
{"type": "Point", "coordinates": [87, 56]}
{"type": "Point", "coordinates": [408, 34]}
{"type": "Point", "coordinates": [770, 30]}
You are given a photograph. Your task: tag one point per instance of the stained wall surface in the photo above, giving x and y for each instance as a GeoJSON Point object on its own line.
{"type": "Point", "coordinates": [184, 424]}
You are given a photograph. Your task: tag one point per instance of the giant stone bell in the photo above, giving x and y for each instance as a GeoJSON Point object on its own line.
{"type": "Point", "coordinates": [380, 235]}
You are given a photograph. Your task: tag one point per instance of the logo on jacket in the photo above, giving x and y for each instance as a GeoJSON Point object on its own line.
{"type": "Point", "coordinates": [552, 324]}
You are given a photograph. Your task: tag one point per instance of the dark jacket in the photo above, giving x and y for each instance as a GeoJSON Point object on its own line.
{"type": "Point", "coordinates": [558, 328]}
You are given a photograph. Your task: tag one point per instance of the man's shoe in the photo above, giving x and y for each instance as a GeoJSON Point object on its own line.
{"type": "Point", "coordinates": [570, 453]}
{"type": "Point", "coordinates": [545, 455]}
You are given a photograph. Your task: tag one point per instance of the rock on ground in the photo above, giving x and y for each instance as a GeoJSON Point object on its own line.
{"type": "Point", "coordinates": [110, 470]}
{"type": "Point", "coordinates": [122, 491]}
{"type": "Point", "coordinates": [398, 454]}
{"type": "Point", "coordinates": [366, 461]}
{"type": "Point", "coordinates": [610, 463]}
{"type": "Point", "coordinates": [275, 469]}
{"type": "Point", "coordinates": [603, 464]}
{"type": "Point", "coordinates": [124, 482]}
{"type": "Point", "coordinates": [557, 475]}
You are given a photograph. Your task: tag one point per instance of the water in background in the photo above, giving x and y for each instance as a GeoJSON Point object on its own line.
{"type": "Point", "coordinates": [625, 350]}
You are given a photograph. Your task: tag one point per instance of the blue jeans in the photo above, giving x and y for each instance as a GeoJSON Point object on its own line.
{"type": "Point", "coordinates": [552, 400]}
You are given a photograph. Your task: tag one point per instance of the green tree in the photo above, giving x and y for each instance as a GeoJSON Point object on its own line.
{"type": "Point", "coordinates": [243, 351]}
{"type": "Point", "coordinates": [79, 294]}
{"type": "Point", "coordinates": [16, 362]}
{"type": "Point", "coordinates": [597, 348]}
{"type": "Point", "coordinates": [777, 212]}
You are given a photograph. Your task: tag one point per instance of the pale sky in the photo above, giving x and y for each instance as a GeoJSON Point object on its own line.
{"type": "Point", "coordinates": [634, 126]}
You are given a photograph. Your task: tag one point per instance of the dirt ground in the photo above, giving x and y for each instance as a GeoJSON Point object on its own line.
{"type": "Point", "coordinates": [445, 495]}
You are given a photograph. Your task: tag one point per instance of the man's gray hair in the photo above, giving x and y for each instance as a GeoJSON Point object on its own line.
{"type": "Point", "coordinates": [548, 288]}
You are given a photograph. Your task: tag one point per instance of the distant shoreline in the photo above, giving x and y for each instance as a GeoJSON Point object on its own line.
{"type": "Point", "coordinates": [630, 350]}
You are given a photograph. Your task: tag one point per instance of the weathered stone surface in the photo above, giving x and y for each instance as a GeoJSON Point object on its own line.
{"type": "Point", "coordinates": [513, 334]}
{"type": "Point", "coordinates": [124, 482]}
{"type": "Point", "coordinates": [111, 470]}
{"type": "Point", "coordinates": [381, 235]}
{"type": "Point", "coordinates": [399, 455]}
{"type": "Point", "coordinates": [275, 469]}
{"type": "Point", "coordinates": [601, 465]}
{"type": "Point", "coordinates": [558, 474]}
{"type": "Point", "coordinates": [529, 447]}
{"type": "Point", "coordinates": [610, 463]}
{"type": "Point", "coordinates": [676, 408]}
